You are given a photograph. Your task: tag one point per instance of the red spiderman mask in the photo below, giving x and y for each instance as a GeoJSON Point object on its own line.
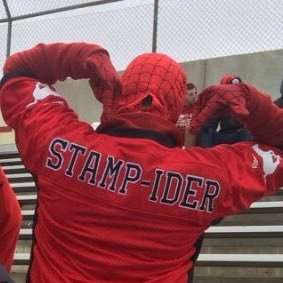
{"type": "Point", "coordinates": [152, 83]}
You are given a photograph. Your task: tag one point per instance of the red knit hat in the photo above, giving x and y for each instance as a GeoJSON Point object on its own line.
{"type": "Point", "coordinates": [153, 83]}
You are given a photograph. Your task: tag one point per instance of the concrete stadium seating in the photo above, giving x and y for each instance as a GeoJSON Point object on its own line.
{"type": "Point", "coordinates": [246, 248]}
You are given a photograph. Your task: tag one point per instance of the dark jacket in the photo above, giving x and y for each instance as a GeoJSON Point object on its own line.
{"type": "Point", "coordinates": [279, 101]}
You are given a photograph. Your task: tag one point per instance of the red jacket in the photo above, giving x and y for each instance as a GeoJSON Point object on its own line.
{"type": "Point", "coordinates": [185, 117]}
{"type": "Point", "coordinates": [124, 205]}
{"type": "Point", "coordinates": [10, 222]}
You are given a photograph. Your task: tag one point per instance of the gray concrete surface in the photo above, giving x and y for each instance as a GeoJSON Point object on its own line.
{"type": "Point", "coordinates": [263, 69]}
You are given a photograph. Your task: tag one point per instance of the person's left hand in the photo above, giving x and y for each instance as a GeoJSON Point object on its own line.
{"type": "Point", "coordinates": [104, 82]}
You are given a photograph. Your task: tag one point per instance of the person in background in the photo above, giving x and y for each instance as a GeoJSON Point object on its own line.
{"type": "Point", "coordinates": [186, 116]}
{"type": "Point", "coordinates": [10, 222]}
{"type": "Point", "coordinates": [279, 101]}
{"type": "Point", "coordinates": [125, 202]}
{"type": "Point", "coordinates": [223, 128]}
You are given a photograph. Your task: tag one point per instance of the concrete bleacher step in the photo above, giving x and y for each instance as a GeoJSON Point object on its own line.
{"type": "Point", "coordinates": [266, 207]}
{"type": "Point", "coordinates": [13, 169]}
{"type": "Point", "coordinates": [27, 199]}
{"type": "Point", "coordinates": [244, 232]}
{"type": "Point", "coordinates": [230, 276]}
{"type": "Point", "coordinates": [10, 161]}
{"type": "Point", "coordinates": [241, 260]}
{"type": "Point", "coordinates": [246, 219]}
{"type": "Point", "coordinates": [218, 232]}
{"type": "Point", "coordinates": [9, 154]}
{"type": "Point", "coordinates": [28, 214]}
{"type": "Point", "coordinates": [24, 187]}
{"type": "Point", "coordinates": [20, 177]}
{"type": "Point", "coordinates": [256, 208]}
{"type": "Point", "coordinates": [225, 274]}
{"type": "Point", "coordinates": [219, 240]}
{"type": "Point", "coordinates": [219, 260]}
{"type": "Point", "coordinates": [242, 245]}
{"type": "Point", "coordinates": [222, 279]}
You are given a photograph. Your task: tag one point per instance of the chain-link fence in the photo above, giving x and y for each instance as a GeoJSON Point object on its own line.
{"type": "Point", "coordinates": [185, 29]}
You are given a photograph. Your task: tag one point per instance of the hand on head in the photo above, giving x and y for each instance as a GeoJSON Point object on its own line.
{"type": "Point", "coordinates": [222, 98]}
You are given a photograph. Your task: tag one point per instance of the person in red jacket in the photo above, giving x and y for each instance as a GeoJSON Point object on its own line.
{"type": "Point", "coordinates": [10, 222]}
{"type": "Point", "coordinates": [223, 128]}
{"type": "Point", "coordinates": [185, 117]}
{"type": "Point", "coordinates": [124, 202]}
{"type": "Point", "coordinates": [187, 113]}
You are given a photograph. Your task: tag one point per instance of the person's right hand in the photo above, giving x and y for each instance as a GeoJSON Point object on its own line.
{"type": "Point", "coordinates": [104, 82]}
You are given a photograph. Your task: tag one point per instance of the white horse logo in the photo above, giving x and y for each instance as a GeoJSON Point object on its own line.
{"type": "Point", "coordinates": [270, 160]}
{"type": "Point", "coordinates": [40, 92]}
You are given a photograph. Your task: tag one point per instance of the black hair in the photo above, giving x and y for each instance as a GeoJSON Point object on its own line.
{"type": "Point", "coordinates": [190, 86]}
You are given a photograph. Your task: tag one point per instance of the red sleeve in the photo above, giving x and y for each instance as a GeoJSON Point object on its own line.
{"type": "Point", "coordinates": [37, 113]}
{"type": "Point", "coordinates": [10, 222]}
{"type": "Point", "coordinates": [265, 120]}
{"type": "Point", "coordinates": [57, 61]}
{"type": "Point", "coordinates": [251, 171]}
